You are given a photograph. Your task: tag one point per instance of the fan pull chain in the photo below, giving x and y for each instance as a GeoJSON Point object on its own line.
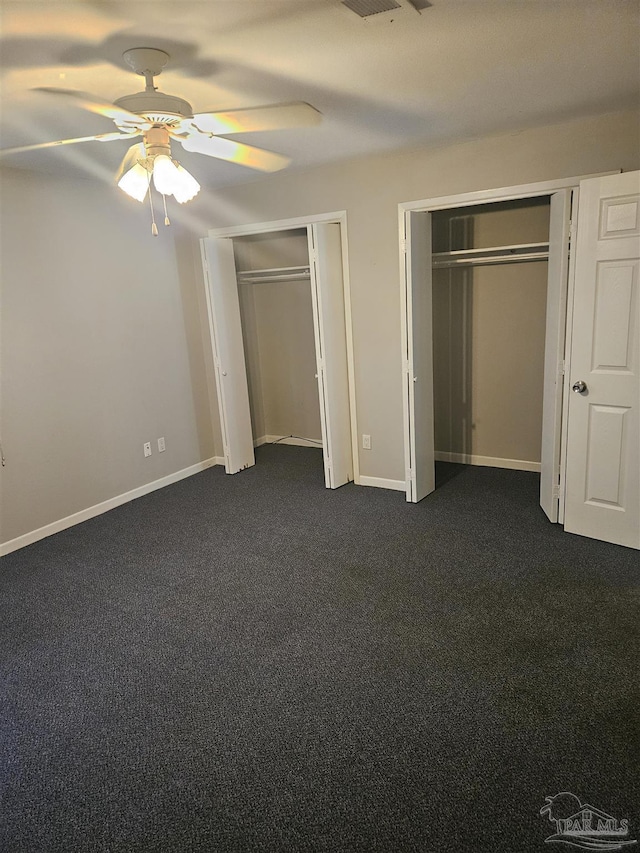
{"type": "Point", "coordinates": [154, 227]}
{"type": "Point", "coordinates": [166, 216]}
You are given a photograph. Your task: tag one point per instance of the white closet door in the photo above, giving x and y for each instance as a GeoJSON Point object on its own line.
{"type": "Point", "coordinates": [603, 442]}
{"type": "Point", "coordinates": [559, 225]}
{"type": "Point", "coordinates": [327, 286]}
{"type": "Point", "coordinates": [418, 372]}
{"type": "Point", "coordinates": [228, 352]}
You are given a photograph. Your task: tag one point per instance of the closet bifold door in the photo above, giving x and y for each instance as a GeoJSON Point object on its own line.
{"type": "Point", "coordinates": [557, 282]}
{"type": "Point", "coordinates": [327, 290]}
{"type": "Point", "coordinates": [418, 367]}
{"type": "Point", "coordinates": [223, 306]}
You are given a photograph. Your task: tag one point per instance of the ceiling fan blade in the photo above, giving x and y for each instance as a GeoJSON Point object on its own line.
{"type": "Point", "coordinates": [102, 137]}
{"type": "Point", "coordinates": [135, 153]}
{"type": "Point", "coordinates": [272, 117]}
{"type": "Point", "coordinates": [118, 114]}
{"type": "Point", "coordinates": [234, 152]}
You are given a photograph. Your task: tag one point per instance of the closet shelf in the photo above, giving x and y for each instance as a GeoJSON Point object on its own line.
{"type": "Point", "coordinates": [275, 274]}
{"type": "Point", "coordinates": [495, 255]}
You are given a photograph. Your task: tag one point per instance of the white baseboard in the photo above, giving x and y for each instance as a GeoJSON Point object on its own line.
{"type": "Point", "coordinates": [487, 461]}
{"type": "Point", "coordinates": [281, 439]}
{"type": "Point", "coordinates": [105, 506]}
{"type": "Point", "coordinates": [382, 483]}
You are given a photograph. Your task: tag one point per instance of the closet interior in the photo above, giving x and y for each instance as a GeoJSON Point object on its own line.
{"type": "Point", "coordinates": [276, 312]}
{"type": "Point", "coordinates": [489, 273]}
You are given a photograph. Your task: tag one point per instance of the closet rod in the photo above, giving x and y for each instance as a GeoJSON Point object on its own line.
{"type": "Point", "coordinates": [275, 274]}
{"type": "Point", "coordinates": [265, 279]}
{"type": "Point", "coordinates": [490, 259]}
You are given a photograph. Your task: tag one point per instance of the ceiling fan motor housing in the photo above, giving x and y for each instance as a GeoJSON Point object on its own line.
{"type": "Point", "coordinates": [157, 107]}
{"type": "Point", "coordinates": [156, 141]}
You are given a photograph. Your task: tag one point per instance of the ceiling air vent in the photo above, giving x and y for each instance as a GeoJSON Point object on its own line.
{"type": "Point", "coordinates": [364, 8]}
{"type": "Point", "coordinates": [368, 8]}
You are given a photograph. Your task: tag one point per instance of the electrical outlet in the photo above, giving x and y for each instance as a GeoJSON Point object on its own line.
{"type": "Point", "coordinates": [161, 445]}
{"type": "Point", "coordinates": [147, 448]}
{"type": "Point", "coordinates": [366, 442]}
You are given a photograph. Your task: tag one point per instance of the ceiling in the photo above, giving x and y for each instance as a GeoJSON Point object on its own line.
{"type": "Point", "coordinates": [459, 69]}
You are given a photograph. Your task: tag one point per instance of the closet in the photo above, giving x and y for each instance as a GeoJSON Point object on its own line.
{"type": "Point", "coordinates": [276, 304]}
{"type": "Point", "coordinates": [497, 373]}
{"type": "Point", "coordinates": [489, 278]}
{"type": "Point", "coordinates": [276, 312]}
{"type": "Point", "coordinates": [485, 284]}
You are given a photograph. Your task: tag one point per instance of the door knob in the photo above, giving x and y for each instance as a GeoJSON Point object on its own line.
{"type": "Point", "coordinates": [579, 387]}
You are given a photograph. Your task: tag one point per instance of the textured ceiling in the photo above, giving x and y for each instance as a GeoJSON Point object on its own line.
{"type": "Point", "coordinates": [459, 69]}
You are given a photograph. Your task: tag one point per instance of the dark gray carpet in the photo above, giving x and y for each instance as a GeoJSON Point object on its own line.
{"type": "Point", "coordinates": [254, 663]}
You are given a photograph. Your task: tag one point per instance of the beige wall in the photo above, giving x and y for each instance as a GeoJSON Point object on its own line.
{"type": "Point", "coordinates": [287, 359]}
{"type": "Point", "coordinates": [102, 344]}
{"type": "Point", "coordinates": [369, 189]}
{"type": "Point", "coordinates": [272, 250]}
{"type": "Point", "coordinates": [101, 350]}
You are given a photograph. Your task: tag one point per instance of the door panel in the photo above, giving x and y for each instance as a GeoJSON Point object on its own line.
{"type": "Point", "coordinates": [419, 368]}
{"type": "Point", "coordinates": [603, 442]}
{"type": "Point", "coordinates": [228, 352]}
{"type": "Point", "coordinates": [606, 428]}
{"type": "Point", "coordinates": [327, 283]}
{"type": "Point", "coordinates": [559, 225]}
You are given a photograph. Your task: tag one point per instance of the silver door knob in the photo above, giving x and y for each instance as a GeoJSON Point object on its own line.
{"type": "Point", "coordinates": [579, 387]}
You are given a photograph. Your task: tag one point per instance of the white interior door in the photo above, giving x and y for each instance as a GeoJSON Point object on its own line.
{"type": "Point", "coordinates": [327, 287]}
{"type": "Point", "coordinates": [223, 306]}
{"type": "Point", "coordinates": [603, 443]}
{"type": "Point", "coordinates": [418, 369]}
{"type": "Point", "coordinates": [559, 225]}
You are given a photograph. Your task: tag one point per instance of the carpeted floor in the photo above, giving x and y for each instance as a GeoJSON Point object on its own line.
{"type": "Point", "coordinates": [254, 663]}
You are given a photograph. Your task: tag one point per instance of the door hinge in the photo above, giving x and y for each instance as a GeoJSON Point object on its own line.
{"type": "Point", "coordinates": [562, 367]}
{"type": "Point", "coordinates": [403, 246]}
{"type": "Point", "coordinates": [557, 490]}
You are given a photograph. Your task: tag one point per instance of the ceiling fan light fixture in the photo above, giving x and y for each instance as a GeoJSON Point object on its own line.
{"type": "Point", "coordinates": [135, 182]}
{"type": "Point", "coordinates": [160, 118]}
{"type": "Point", "coordinates": [164, 174]}
{"type": "Point", "coordinates": [186, 187]}
{"type": "Point", "coordinates": [170, 178]}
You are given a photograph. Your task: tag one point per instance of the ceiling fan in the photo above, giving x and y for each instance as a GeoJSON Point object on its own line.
{"type": "Point", "coordinates": [159, 118]}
